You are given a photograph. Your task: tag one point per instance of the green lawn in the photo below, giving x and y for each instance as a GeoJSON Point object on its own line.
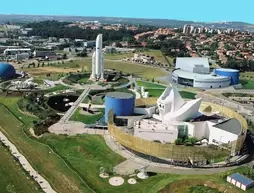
{"type": "Point", "coordinates": [40, 78]}
{"type": "Point", "coordinates": [248, 84]}
{"type": "Point", "coordinates": [13, 177]}
{"type": "Point", "coordinates": [56, 88]}
{"type": "Point", "coordinates": [118, 56]}
{"type": "Point", "coordinates": [155, 53]}
{"type": "Point", "coordinates": [148, 85]}
{"type": "Point", "coordinates": [85, 154]}
{"type": "Point", "coordinates": [143, 71]}
{"type": "Point", "coordinates": [158, 92]}
{"type": "Point", "coordinates": [187, 95]}
{"type": "Point", "coordinates": [87, 119]}
{"type": "Point", "coordinates": [49, 165]}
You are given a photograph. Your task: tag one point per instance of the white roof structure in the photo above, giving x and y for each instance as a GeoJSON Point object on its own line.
{"type": "Point", "coordinates": [172, 96]}
{"type": "Point", "coordinates": [188, 111]}
{"type": "Point", "coordinates": [172, 107]}
{"type": "Point", "coordinates": [195, 65]}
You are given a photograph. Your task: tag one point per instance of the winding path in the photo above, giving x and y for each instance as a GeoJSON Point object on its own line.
{"type": "Point", "coordinates": [43, 183]}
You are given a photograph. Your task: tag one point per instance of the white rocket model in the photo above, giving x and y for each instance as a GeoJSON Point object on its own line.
{"type": "Point", "coordinates": [98, 61]}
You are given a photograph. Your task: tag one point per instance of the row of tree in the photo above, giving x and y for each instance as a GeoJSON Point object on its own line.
{"type": "Point", "coordinates": [62, 30]}
{"type": "Point", "coordinates": [241, 65]}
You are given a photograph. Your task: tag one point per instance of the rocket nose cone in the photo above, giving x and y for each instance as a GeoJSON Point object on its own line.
{"type": "Point", "coordinates": [99, 38]}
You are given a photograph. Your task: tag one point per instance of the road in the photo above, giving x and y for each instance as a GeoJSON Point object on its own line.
{"type": "Point", "coordinates": [43, 183]}
{"type": "Point", "coordinates": [75, 106]}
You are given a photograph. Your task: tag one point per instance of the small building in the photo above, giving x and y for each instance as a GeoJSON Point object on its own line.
{"type": "Point", "coordinates": [89, 44]}
{"type": "Point", "coordinates": [43, 54]}
{"type": "Point", "coordinates": [13, 52]}
{"type": "Point", "coordinates": [22, 56]}
{"type": "Point", "coordinates": [240, 181]}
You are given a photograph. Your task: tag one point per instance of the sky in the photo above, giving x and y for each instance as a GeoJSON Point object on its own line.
{"type": "Point", "coordinates": [194, 10]}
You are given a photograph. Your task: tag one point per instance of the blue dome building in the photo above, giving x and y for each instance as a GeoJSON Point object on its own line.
{"type": "Point", "coordinates": [122, 103]}
{"type": "Point", "coordinates": [7, 71]}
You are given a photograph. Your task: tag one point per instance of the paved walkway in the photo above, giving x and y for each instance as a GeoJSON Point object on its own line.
{"type": "Point", "coordinates": [73, 128]}
{"type": "Point", "coordinates": [44, 184]}
{"type": "Point", "coordinates": [75, 106]}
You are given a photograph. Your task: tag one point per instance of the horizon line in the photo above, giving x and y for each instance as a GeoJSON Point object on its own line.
{"type": "Point", "coordinates": [64, 15]}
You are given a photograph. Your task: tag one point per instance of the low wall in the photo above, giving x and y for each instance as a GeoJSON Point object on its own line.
{"type": "Point", "coordinates": [172, 151]}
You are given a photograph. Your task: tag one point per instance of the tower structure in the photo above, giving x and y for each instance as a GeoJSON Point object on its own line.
{"type": "Point", "coordinates": [98, 61]}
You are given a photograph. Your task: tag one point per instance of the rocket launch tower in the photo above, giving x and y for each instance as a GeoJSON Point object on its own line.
{"type": "Point", "coordinates": [98, 61]}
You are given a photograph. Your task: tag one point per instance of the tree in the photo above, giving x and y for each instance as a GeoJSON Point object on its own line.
{"type": "Point", "coordinates": [83, 53]}
{"type": "Point", "coordinates": [64, 56]}
{"type": "Point", "coordinates": [119, 45]}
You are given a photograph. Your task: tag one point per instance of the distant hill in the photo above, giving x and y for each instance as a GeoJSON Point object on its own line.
{"type": "Point", "coordinates": [110, 20]}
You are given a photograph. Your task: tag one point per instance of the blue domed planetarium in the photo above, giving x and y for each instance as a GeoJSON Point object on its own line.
{"type": "Point", "coordinates": [7, 71]}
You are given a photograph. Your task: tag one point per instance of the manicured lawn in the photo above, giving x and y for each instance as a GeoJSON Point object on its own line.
{"type": "Point", "coordinates": [158, 92]}
{"type": "Point", "coordinates": [40, 78]}
{"type": "Point", "coordinates": [248, 84]}
{"type": "Point", "coordinates": [13, 177]}
{"type": "Point", "coordinates": [147, 72]}
{"type": "Point", "coordinates": [143, 71]}
{"type": "Point", "coordinates": [155, 92]}
{"type": "Point", "coordinates": [118, 56]}
{"type": "Point", "coordinates": [56, 88]}
{"type": "Point", "coordinates": [41, 157]}
{"type": "Point", "coordinates": [87, 119]}
{"type": "Point", "coordinates": [85, 64]}
{"type": "Point", "coordinates": [187, 95]}
{"type": "Point", "coordinates": [148, 85]}
{"type": "Point", "coordinates": [155, 53]}
{"type": "Point", "coordinates": [85, 154]}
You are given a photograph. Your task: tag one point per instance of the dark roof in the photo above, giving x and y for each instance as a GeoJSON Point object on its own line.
{"type": "Point", "coordinates": [120, 95]}
{"type": "Point", "coordinates": [212, 118]}
{"type": "Point", "coordinates": [242, 179]}
{"type": "Point", "coordinates": [230, 125]}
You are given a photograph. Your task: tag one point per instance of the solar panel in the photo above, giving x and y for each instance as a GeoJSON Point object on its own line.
{"type": "Point", "coordinates": [242, 179]}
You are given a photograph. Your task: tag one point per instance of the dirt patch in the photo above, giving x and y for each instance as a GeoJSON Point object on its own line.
{"type": "Point", "coordinates": [31, 130]}
{"type": "Point", "coordinates": [50, 69]}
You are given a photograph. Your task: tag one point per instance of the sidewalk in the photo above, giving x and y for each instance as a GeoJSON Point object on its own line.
{"type": "Point", "coordinates": [44, 184]}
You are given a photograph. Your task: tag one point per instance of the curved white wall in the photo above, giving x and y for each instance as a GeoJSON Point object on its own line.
{"type": "Point", "coordinates": [220, 83]}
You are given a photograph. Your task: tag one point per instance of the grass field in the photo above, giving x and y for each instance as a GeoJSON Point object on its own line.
{"type": "Point", "coordinates": [147, 72]}
{"type": "Point", "coordinates": [247, 75]}
{"type": "Point", "coordinates": [87, 119]}
{"type": "Point", "coordinates": [49, 165]}
{"type": "Point", "coordinates": [85, 64]}
{"type": "Point", "coordinates": [85, 154]}
{"type": "Point", "coordinates": [155, 53]}
{"type": "Point", "coordinates": [248, 84]}
{"type": "Point", "coordinates": [148, 85]}
{"type": "Point", "coordinates": [13, 177]}
{"type": "Point", "coordinates": [56, 88]}
{"type": "Point", "coordinates": [43, 71]}
{"type": "Point", "coordinates": [158, 92]}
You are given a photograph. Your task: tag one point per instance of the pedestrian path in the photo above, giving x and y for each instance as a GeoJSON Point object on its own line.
{"type": "Point", "coordinates": [134, 162]}
{"type": "Point", "coordinates": [44, 184]}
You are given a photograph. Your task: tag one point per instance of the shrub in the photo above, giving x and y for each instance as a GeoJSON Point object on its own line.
{"type": "Point", "coordinates": [179, 141]}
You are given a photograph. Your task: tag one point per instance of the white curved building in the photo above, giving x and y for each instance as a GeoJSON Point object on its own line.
{"type": "Point", "coordinates": [172, 107]}
{"type": "Point", "coordinates": [176, 118]}
{"type": "Point", "coordinates": [195, 72]}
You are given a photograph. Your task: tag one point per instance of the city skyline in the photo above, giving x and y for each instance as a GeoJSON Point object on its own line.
{"type": "Point", "coordinates": [218, 11]}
